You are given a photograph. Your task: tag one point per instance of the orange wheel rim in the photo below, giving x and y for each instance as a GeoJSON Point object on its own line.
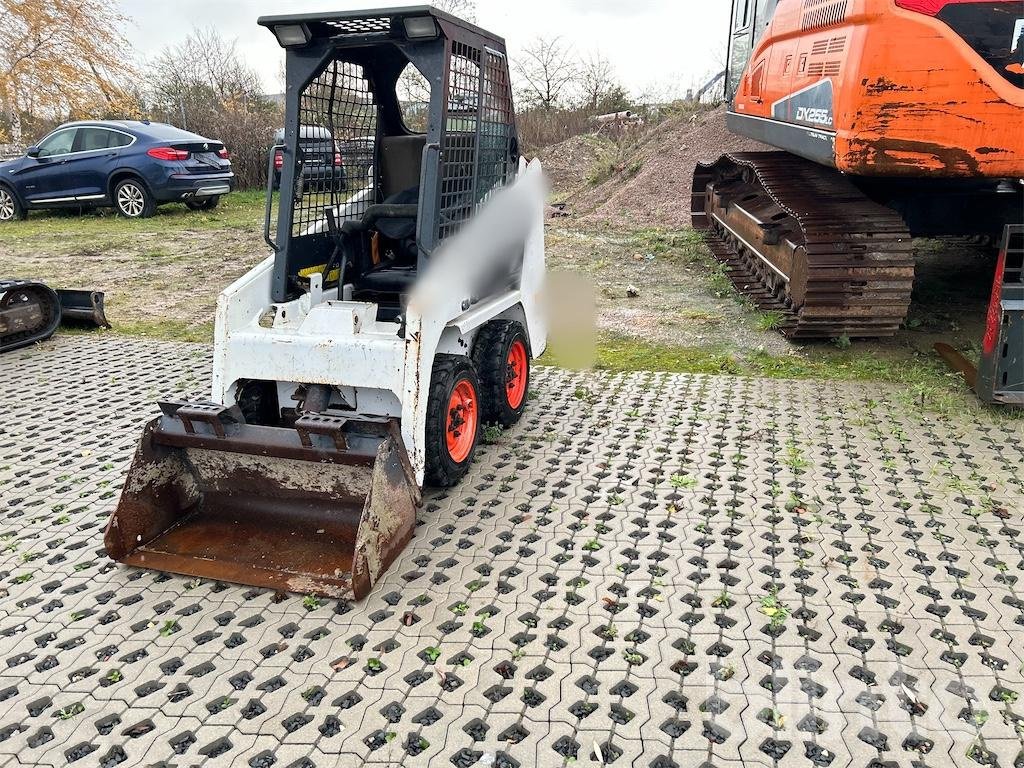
{"type": "Point", "coordinates": [517, 373]}
{"type": "Point", "coordinates": [460, 430]}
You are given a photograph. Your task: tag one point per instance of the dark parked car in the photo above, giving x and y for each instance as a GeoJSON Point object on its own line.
{"type": "Point", "coordinates": [357, 155]}
{"type": "Point", "coordinates": [322, 167]}
{"type": "Point", "coordinates": [131, 165]}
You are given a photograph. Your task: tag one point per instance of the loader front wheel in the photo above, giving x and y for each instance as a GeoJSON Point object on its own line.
{"type": "Point", "coordinates": [502, 357]}
{"type": "Point", "coordinates": [453, 420]}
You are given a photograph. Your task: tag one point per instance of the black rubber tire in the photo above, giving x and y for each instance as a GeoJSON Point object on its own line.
{"type": "Point", "coordinates": [147, 205]}
{"type": "Point", "coordinates": [203, 204]}
{"type": "Point", "coordinates": [490, 355]}
{"type": "Point", "coordinates": [18, 212]}
{"type": "Point", "coordinates": [441, 470]}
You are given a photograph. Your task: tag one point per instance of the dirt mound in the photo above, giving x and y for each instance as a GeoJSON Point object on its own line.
{"type": "Point", "coordinates": [568, 164]}
{"type": "Point", "coordinates": [648, 183]}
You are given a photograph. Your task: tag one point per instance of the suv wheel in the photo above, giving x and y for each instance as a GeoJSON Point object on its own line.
{"type": "Point", "coordinates": [132, 200]}
{"type": "Point", "coordinates": [10, 208]}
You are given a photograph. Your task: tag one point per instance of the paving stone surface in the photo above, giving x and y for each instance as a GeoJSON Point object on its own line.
{"type": "Point", "coordinates": [650, 570]}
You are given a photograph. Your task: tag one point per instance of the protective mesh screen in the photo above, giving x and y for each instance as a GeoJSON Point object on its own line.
{"type": "Point", "coordinates": [495, 127]}
{"type": "Point", "coordinates": [478, 122]}
{"type": "Point", "coordinates": [458, 144]}
{"type": "Point", "coordinates": [337, 141]}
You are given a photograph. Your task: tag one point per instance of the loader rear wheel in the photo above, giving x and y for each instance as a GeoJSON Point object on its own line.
{"type": "Point", "coordinates": [453, 420]}
{"type": "Point", "coordinates": [502, 358]}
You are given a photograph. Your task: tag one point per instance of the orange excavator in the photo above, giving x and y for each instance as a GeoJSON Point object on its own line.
{"type": "Point", "coordinates": [893, 119]}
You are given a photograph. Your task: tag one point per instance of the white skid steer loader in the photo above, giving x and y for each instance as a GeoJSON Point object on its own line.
{"type": "Point", "coordinates": [399, 313]}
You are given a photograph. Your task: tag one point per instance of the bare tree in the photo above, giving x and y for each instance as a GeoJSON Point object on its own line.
{"type": "Point", "coordinates": [464, 9]}
{"type": "Point", "coordinates": [596, 80]}
{"type": "Point", "coordinates": [413, 88]}
{"type": "Point", "coordinates": [203, 71]}
{"type": "Point", "coordinates": [546, 71]}
{"type": "Point", "coordinates": [205, 86]}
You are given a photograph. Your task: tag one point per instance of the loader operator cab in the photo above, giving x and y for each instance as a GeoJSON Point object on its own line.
{"type": "Point", "coordinates": [407, 188]}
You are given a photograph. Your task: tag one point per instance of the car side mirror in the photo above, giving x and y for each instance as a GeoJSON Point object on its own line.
{"type": "Point", "coordinates": [32, 152]}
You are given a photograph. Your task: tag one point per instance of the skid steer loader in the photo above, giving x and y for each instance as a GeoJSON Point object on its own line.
{"type": "Point", "coordinates": [396, 316]}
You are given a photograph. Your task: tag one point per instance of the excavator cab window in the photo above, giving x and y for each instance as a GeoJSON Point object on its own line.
{"type": "Point", "coordinates": [740, 44]}
{"type": "Point", "coordinates": [763, 16]}
{"type": "Point", "coordinates": [995, 29]}
{"type": "Point", "coordinates": [741, 14]}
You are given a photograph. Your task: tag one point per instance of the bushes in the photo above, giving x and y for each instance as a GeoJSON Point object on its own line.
{"type": "Point", "coordinates": [540, 127]}
{"type": "Point", "coordinates": [204, 86]}
{"type": "Point", "coordinates": [247, 130]}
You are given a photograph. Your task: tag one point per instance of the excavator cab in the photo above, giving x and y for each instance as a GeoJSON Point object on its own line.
{"type": "Point", "coordinates": [303, 471]}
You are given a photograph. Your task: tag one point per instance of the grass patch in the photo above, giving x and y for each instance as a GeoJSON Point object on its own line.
{"type": "Point", "coordinates": [614, 160]}
{"type": "Point", "coordinates": [101, 226]}
{"type": "Point", "coordinates": [623, 354]}
{"type": "Point", "coordinates": [685, 244]}
{"type": "Point", "coordinates": [163, 330]}
{"type": "Point", "coordinates": [167, 330]}
{"type": "Point", "coordinates": [769, 321]}
{"type": "Point", "coordinates": [925, 382]}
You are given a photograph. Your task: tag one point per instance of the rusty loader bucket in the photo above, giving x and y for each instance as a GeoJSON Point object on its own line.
{"type": "Point", "coordinates": [322, 507]}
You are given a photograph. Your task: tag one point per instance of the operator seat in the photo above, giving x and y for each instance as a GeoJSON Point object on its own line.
{"type": "Point", "coordinates": [401, 160]}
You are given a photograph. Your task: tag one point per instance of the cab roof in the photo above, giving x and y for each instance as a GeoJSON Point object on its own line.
{"type": "Point", "coordinates": [380, 21]}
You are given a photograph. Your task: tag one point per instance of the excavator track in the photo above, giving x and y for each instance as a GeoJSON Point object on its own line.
{"type": "Point", "coordinates": [29, 312]}
{"type": "Point", "coordinates": [803, 241]}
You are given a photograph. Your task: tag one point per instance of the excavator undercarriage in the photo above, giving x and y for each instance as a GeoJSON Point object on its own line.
{"type": "Point", "coordinates": [31, 311]}
{"type": "Point", "coordinates": [802, 240]}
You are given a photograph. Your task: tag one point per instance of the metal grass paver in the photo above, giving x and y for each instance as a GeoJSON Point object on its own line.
{"type": "Point", "coordinates": [651, 570]}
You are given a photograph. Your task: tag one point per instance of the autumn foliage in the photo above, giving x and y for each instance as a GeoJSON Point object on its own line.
{"type": "Point", "coordinates": [62, 59]}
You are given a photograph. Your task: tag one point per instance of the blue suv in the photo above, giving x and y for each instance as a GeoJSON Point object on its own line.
{"type": "Point", "coordinates": [131, 165]}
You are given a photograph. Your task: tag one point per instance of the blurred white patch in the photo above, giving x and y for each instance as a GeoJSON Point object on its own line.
{"type": "Point", "coordinates": [474, 263]}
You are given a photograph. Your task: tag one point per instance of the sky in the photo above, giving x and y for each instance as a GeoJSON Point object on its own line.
{"type": "Point", "coordinates": [658, 48]}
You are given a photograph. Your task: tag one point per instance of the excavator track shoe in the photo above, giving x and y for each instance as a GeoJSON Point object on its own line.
{"type": "Point", "coordinates": [29, 312]}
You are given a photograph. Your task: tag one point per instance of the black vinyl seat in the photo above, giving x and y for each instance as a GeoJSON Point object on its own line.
{"type": "Point", "coordinates": [388, 280]}
{"type": "Point", "coordinates": [387, 283]}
